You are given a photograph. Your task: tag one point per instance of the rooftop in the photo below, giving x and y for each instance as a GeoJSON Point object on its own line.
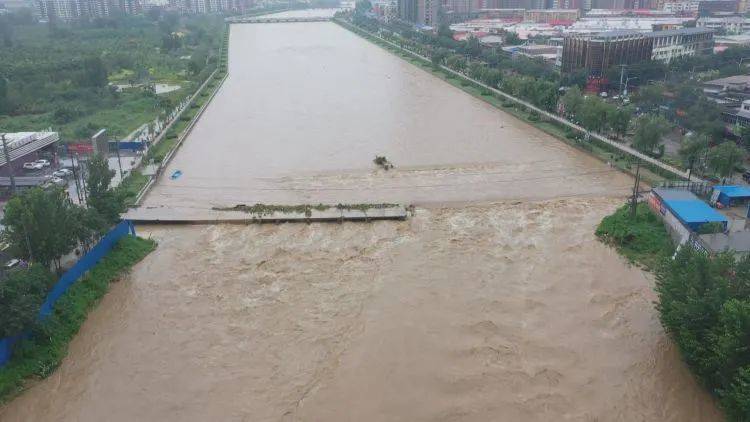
{"type": "Point", "coordinates": [737, 81]}
{"type": "Point", "coordinates": [22, 143]}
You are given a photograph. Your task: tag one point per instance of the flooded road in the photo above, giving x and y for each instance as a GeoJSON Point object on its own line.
{"type": "Point", "coordinates": [501, 306]}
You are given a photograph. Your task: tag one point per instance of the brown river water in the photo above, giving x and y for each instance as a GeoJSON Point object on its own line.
{"type": "Point", "coordinates": [493, 302]}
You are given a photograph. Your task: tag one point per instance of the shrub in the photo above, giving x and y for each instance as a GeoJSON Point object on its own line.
{"type": "Point", "coordinates": [712, 227]}
{"type": "Point", "coordinates": [642, 239]}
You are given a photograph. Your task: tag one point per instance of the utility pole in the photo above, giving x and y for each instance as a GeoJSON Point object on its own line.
{"type": "Point", "coordinates": [83, 180]}
{"type": "Point", "coordinates": [10, 166]}
{"type": "Point", "coordinates": [622, 77]}
{"type": "Point", "coordinates": [634, 201]}
{"type": "Point", "coordinates": [119, 163]}
{"type": "Point", "coordinates": [75, 177]}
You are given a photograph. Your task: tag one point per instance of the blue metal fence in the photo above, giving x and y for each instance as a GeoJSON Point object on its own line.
{"type": "Point", "coordinates": [83, 265]}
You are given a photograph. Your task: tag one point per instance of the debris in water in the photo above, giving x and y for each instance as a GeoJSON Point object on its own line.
{"type": "Point", "coordinates": [383, 162]}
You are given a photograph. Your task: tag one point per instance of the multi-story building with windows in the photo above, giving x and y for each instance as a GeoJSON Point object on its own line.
{"type": "Point", "coordinates": [70, 10]}
{"type": "Point", "coordinates": [681, 7]}
{"type": "Point", "coordinates": [677, 43]}
{"type": "Point", "coordinates": [596, 53]}
{"type": "Point", "coordinates": [729, 24]}
{"type": "Point", "coordinates": [419, 12]}
{"type": "Point", "coordinates": [551, 15]}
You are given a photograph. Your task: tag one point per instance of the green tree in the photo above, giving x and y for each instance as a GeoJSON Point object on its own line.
{"type": "Point", "coordinates": [704, 303]}
{"type": "Point", "coordinates": [4, 106]}
{"type": "Point", "coordinates": [94, 72]}
{"type": "Point", "coordinates": [362, 6]}
{"type": "Point", "coordinates": [101, 196]}
{"type": "Point", "coordinates": [473, 48]}
{"type": "Point", "coordinates": [736, 399]}
{"type": "Point", "coordinates": [572, 101]}
{"type": "Point", "coordinates": [444, 30]}
{"type": "Point", "coordinates": [6, 31]}
{"type": "Point", "coordinates": [649, 129]}
{"type": "Point", "coordinates": [437, 56]}
{"type": "Point", "coordinates": [692, 149]}
{"type": "Point", "coordinates": [511, 38]}
{"type": "Point", "coordinates": [618, 119]}
{"type": "Point", "coordinates": [593, 114]}
{"type": "Point", "coordinates": [456, 62]}
{"type": "Point", "coordinates": [21, 295]}
{"type": "Point", "coordinates": [39, 226]}
{"type": "Point", "coordinates": [650, 96]}
{"type": "Point", "coordinates": [725, 157]}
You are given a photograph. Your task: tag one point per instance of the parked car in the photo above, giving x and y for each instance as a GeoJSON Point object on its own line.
{"type": "Point", "coordinates": [32, 166]}
{"type": "Point", "coordinates": [54, 182]}
{"type": "Point", "coordinates": [44, 163]}
{"type": "Point", "coordinates": [63, 173]}
{"type": "Point", "coordinates": [746, 176]}
{"type": "Point", "coordinates": [58, 182]}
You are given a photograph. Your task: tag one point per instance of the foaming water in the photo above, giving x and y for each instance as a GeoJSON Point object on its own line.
{"type": "Point", "coordinates": [503, 312]}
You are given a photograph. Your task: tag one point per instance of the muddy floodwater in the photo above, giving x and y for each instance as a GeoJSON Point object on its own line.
{"type": "Point", "coordinates": [308, 106]}
{"type": "Point", "coordinates": [493, 302]}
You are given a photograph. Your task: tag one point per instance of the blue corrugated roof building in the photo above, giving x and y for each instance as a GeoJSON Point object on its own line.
{"type": "Point", "coordinates": [731, 193]}
{"type": "Point", "coordinates": [689, 209]}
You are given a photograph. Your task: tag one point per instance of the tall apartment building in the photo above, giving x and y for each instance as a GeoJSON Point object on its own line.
{"type": "Point", "coordinates": [505, 4]}
{"type": "Point", "coordinates": [213, 6]}
{"type": "Point", "coordinates": [419, 12]}
{"type": "Point", "coordinates": [70, 10]}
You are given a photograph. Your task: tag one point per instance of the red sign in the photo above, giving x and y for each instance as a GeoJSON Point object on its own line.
{"type": "Point", "coordinates": [81, 148]}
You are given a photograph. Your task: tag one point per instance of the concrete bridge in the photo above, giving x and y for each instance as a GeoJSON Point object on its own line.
{"type": "Point", "coordinates": [241, 19]}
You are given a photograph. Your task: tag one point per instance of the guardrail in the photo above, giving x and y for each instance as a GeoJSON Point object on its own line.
{"type": "Point", "coordinates": [565, 122]}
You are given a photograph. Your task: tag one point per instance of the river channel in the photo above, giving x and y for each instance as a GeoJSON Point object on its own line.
{"type": "Point", "coordinates": [493, 302]}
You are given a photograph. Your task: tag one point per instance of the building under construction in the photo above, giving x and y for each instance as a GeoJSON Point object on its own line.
{"type": "Point", "coordinates": [596, 53]}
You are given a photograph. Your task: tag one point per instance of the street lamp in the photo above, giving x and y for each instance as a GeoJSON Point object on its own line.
{"type": "Point", "coordinates": [628, 79]}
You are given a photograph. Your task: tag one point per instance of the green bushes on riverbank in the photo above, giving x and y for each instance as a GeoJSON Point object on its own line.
{"type": "Point", "coordinates": [704, 304]}
{"type": "Point", "coordinates": [38, 356]}
{"type": "Point", "coordinates": [641, 239]}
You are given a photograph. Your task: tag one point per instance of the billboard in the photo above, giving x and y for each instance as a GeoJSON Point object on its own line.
{"type": "Point", "coordinates": [100, 143]}
{"type": "Point", "coordinates": [80, 148]}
